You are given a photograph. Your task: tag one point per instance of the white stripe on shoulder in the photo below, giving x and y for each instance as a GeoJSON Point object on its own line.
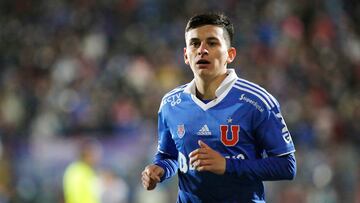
{"type": "Point", "coordinates": [176, 90]}
{"type": "Point", "coordinates": [286, 153]}
{"type": "Point", "coordinates": [162, 152]}
{"type": "Point", "coordinates": [244, 85]}
{"type": "Point", "coordinates": [254, 93]}
{"type": "Point", "coordinates": [270, 96]}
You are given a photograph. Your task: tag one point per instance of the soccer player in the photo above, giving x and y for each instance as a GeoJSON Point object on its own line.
{"type": "Point", "coordinates": [80, 181]}
{"type": "Point", "coordinates": [223, 134]}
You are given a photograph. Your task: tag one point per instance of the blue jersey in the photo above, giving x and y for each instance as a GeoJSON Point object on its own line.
{"type": "Point", "coordinates": [244, 122]}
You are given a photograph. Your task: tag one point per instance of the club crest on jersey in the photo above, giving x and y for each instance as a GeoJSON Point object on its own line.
{"type": "Point", "coordinates": [181, 130]}
{"type": "Point", "coordinates": [233, 139]}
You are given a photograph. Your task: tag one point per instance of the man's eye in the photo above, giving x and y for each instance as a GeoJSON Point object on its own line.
{"type": "Point", "coordinates": [212, 43]}
{"type": "Point", "coordinates": [194, 43]}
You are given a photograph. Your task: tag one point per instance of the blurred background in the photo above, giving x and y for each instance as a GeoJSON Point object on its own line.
{"type": "Point", "coordinates": [84, 68]}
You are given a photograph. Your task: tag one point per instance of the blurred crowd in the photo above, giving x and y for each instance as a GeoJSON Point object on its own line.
{"type": "Point", "coordinates": [87, 68]}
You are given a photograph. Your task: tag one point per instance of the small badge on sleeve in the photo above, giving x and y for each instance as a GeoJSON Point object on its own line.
{"type": "Point", "coordinates": [181, 130]}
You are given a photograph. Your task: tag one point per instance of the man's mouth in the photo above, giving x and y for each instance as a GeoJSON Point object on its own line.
{"type": "Point", "coordinates": [202, 62]}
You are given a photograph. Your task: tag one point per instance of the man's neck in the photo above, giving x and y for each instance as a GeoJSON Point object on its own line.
{"type": "Point", "coordinates": [206, 89]}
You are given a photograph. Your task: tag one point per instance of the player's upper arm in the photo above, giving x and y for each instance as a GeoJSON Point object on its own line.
{"type": "Point", "coordinates": [166, 144]}
{"type": "Point", "coordinates": [273, 133]}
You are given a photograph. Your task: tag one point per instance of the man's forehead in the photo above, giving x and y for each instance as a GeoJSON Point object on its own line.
{"type": "Point", "coordinates": [206, 31]}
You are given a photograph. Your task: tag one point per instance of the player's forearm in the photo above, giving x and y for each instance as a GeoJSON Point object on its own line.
{"type": "Point", "coordinates": [168, 163]}
{"type": "Point", "coordinates": [270, 168]}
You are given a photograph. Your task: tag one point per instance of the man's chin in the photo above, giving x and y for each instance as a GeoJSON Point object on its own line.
{"type": "Point", "coordinates": [205, 73]}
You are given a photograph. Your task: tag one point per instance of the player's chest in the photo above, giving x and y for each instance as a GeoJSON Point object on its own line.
{"type": "Point", "coordinates": [223, 126]}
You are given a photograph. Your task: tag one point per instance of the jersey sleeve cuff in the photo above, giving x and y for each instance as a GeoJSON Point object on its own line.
{"type": "Point", "coordinates": [158, 163]}
{"type": "Point", "coordinates": [233, 167]}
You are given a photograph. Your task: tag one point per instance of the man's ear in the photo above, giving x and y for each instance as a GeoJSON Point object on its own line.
{"type": "Point", "coordinates": [185, 57]}
{"type": "Point", "coordinates": [231, 54]}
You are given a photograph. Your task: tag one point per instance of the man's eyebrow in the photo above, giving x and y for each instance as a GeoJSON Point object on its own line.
{"type": "Point", "coordinates": [194, 39]}
{"type": "Point", "coordinates": [212, 38]}
{"type": "Point", "coordinates": [197, 39]}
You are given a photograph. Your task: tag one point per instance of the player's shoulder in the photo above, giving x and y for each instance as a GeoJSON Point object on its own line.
{"type": "Point", "coordinates": [75, 167]}
{"type": "Point", "coordinates": [252, 93]}
{"type": "Point", "coordinates": [176, 90]}
{"type": "Point", "coordinates": [173, 97]}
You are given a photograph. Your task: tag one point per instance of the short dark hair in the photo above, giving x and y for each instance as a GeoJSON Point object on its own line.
{"type": "Point", "coordinates": [217, 19]}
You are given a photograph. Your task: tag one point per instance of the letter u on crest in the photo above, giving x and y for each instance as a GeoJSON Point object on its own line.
{"type": "Point", "coordinates": [234, 135]}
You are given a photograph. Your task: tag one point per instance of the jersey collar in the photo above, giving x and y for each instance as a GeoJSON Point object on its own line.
{"type": "Point", "coordinates": [220, 92]}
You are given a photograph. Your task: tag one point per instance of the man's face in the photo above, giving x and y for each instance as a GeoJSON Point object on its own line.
{"type": "Point", "coordinates": [207, 52]}
{"type": "Point", "coordinates": [92, 154]}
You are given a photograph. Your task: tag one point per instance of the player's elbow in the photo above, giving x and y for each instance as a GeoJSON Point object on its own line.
{"type": "Point", "coordinates": [292, 174]}
{"type": "Point", "coordinates": [291, 167]}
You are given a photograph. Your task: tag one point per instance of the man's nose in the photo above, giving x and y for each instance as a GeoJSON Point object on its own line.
{"type": "Point", "coordinates": [202, 49]}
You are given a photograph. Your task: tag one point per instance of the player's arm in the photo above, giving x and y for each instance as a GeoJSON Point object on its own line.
{"type": "Point", "coordinates": [270, 168]}
{"type": "Point", "coordinates": [273, 136]}
{"type": "Point", "coordinates": [165, 163]}
{"type": "Point", "coordinates": [167, 154]}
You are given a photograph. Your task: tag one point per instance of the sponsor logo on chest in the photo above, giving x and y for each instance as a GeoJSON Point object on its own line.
{"type": "Point", "coordinates": [204, 131]}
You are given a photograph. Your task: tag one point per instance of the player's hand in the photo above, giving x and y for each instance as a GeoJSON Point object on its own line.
{"type": "Point", "coordinates": [151, 176]}
{"type": "Point", "coordinates": [207, 159]}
